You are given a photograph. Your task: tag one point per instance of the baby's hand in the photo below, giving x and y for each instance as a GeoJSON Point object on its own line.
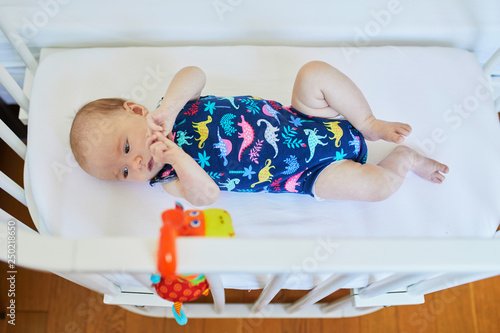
{"type": "Point", "coordinates": [160, 120]}
{"type": "Point", "coordinates": [163, 149]}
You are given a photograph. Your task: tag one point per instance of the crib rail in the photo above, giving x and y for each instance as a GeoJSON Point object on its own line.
{"type": "Point", "coordinates": [418, 267]}
{"type": "Point", "coordinates": [240, 255]}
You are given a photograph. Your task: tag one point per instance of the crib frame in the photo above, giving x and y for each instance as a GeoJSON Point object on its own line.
{"type": "Point", "coordinates": [417, 264]}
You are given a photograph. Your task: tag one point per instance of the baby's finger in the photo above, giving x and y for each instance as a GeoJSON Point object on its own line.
{"type": "Point", "coordinates": [158, 149]}
{"type": "Point", "coordinates": [151, 139]}
{"type": "Point", "coordinates": [160, 136]}
{"type": "Point", "coordinates": [166, 144]}
{"type": "Point", "coordinates": [154, 124]}
{"type": "Point", "coordinates": [169, 143]}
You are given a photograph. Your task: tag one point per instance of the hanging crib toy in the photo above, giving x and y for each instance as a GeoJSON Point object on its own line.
{"type": "Point", "coordinates": [177, 222]}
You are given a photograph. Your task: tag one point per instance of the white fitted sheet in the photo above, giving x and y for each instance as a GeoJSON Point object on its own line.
{"type": "Point", "coordinates": [439, 91]}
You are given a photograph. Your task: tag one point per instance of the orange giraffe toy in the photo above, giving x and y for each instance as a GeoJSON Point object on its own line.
{"type": "Point", "coordinates": [177, 222]}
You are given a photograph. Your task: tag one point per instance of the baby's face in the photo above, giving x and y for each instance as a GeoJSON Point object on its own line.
{"type": "Point", "coordinates": [122, 153]}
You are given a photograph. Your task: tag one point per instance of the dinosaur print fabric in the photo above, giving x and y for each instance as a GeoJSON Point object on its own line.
{"type": "Point", "coordinates": [247, 144]}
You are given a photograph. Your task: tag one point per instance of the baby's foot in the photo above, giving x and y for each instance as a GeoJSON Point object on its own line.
{"type": "Point", "coordinates": [384, 130]}
{"type": "Point", "coordinates": [426, 168]}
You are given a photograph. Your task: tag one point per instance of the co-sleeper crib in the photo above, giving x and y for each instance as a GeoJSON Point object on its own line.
{"type": "Point", "coordinates": [423, 239]}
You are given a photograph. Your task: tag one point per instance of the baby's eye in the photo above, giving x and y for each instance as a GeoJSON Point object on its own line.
{"type": "Point", "coordinates": [127, 147]}
{"type": "Point", "coordinates": [125, 172]}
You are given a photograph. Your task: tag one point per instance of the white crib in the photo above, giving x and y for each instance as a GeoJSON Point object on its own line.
{"type": "Point", "coordinates": [392, 270]}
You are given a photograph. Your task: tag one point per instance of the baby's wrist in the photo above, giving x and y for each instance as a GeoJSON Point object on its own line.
{"type": "Point", "coordinates": [179, 159]}
{"type": "Point", "coordinates": [169, 107]}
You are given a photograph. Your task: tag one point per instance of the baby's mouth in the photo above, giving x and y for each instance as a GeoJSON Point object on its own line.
{"type": "Point", "coordinates": [151, 164]}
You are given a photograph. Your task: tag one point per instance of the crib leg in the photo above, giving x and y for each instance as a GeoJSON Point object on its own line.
{"type": "Point", "coordinates": [271, 289]}
{"type": "Point", "coordinates": [332, 284]}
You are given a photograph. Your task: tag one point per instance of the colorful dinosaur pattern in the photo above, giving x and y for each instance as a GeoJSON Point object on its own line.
{"type": "Point", "coordinates": [270, 135]}
{"type": "Point", "coordinates": [182, 139]}
{"type": "Point", "coordinates": [247, 134]}
{"type": "Point", "coordinates": [313, 140]}
{"type": "Point", "coordinates": [225, 146]}
{"type": "Point", "coordinates": [264, 174]}
{"type": "Point", "coordinates": [230, 184]}
{"type": "Point", "coordinates": [231, 100]}
{"type": "Point", "coordinates": [337, 131]}
{"type": "Point", "coordinates": [356, 142]}
{"type": "Point", "coordinates": [202, 129]}
{"type": "Point", "coordinates": [292, 183]}
{"type": "Point", "coordinates": [269, 111]}
{"type": "Point", "coordinates": [272, 150]}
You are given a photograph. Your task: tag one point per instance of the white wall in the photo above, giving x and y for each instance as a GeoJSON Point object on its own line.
{"type": "Point", "coordinates": [468, 24]}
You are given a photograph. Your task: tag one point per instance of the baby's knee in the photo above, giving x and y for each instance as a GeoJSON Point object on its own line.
{"type": "Point", "coordinates": [382, 189]}
{"type": "Point", "coordinates": [315, 67]}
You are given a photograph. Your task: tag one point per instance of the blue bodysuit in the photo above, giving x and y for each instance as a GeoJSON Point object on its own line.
{"type": "Point", "coordinates": [247, 144]}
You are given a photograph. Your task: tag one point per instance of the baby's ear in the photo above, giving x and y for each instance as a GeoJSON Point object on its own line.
{"type": "Point", "coordinates": [135, 108]}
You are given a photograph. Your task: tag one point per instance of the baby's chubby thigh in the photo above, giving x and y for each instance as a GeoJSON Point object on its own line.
{"type": "Point", "coordinates": [350, 180]}
{"type": "Point", "coordinates": [307, 94]}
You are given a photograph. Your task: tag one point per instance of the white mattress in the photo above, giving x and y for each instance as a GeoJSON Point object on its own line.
{"type": "Point", "coordinates": [439, 91]}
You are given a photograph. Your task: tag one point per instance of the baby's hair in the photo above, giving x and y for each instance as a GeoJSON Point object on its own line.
{"type": "Point", "coordinates": [89, 125]}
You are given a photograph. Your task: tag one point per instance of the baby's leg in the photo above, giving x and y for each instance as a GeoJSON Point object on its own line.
{"type": "Point", "coordinates": [348, 180]}
{"type": "Point", "coordinates": [323, 91]}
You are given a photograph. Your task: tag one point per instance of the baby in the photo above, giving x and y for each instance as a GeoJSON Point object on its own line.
{"type": "Point", "coordinates": [195, 146]}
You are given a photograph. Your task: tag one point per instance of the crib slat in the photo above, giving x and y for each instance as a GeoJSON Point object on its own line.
{"type": "Point", "coordinates": [6, 217]}
{"type": "Point", "coordinates": [11, 187]}
{"type": "Point", "coordinates": [272, 288]}
{"type": "Point", "coordinates": [492, 62]}
{"type": "Point", "coordinates": [391, 283]}
{"type": "Point", "coordinates": [339, 304]}
{"type": "Point", "coordinates": [329, 286]}
{"type": "Point", "coordinates": [13, 88]}
{"type": "Point", "coordinates": [12, 140]}
{"type": "Point", "coordinates": [217, 290]}
{"type": "Point", "coordinates": [17, 42]}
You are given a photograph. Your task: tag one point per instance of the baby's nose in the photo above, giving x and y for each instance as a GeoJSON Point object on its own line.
{"type": "Point", "coordinates": [137, 163]}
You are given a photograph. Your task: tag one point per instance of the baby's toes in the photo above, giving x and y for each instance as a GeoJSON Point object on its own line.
{"type": "Point", "coordinates": [404, 129]}
{"type": "Point", "coordinates": [396, 138]}
{"type": "Point", "coordinates": [437, 178]}
{"type": "Point", "coordinates": [443, 168]}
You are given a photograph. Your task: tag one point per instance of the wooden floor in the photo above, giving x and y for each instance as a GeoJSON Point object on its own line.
{"type": "Point", "coordinates": [47, 303]}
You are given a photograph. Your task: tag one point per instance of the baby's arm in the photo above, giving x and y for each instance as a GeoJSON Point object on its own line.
{"type": "Point", "coordinates": [193, 183]}
{"type": "Point", "coordinates": [186, 86]}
